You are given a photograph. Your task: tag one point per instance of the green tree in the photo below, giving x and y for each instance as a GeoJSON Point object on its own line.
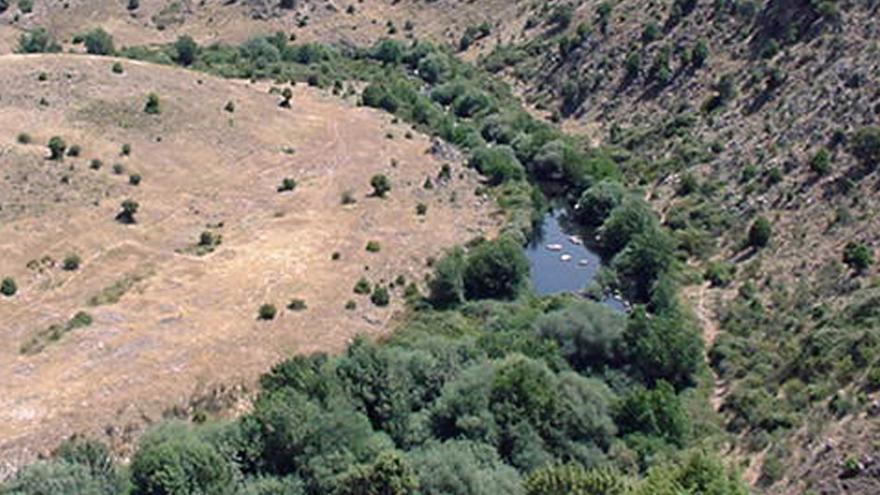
{"type": "Point", "coordinates": [589, 334]}
{"type": "Point", "coordinates": [446, 287]}
{"type": "Point", "coordinates": [760, 233]}
{"type": "Point", "coordinates": [820, 163]}
{"type": "Point", "coordinates": [186, 50]}
{"type": "Point", "coordinates": [656, 412]}
{"type": "Point", "coordinates": [380, 296]}
{"type": "Point", "coordinates": [499, 164]}
{"type": "Point", "coordinates": [8, 287]}
{"type": "Point", "coordinates": [865, 145]}
{"type": "Point", "coordinates": [665, 346]}
{"type": "Point", "coordinates": [267, 312]}
{"type": "Point", "coordinates": [461, 467]}
{"type": "Point", "coordinates": [381, 185]}
{"type": "Point", "coordinates": [597, 202]}
{"type": "Point", "coordinates": [858, 256]}
{"type": "Point", "coordinates": [99, 42]}
{"type": "Point", "coordinates": [129, 208]}
{"type": "Point", "coordinates": [173, 461]}
{"type": "Point", "coordinates": [37, 41]}
{"type": "Point", "coordinates": [389, 474]}
{"type": "Point", "coordinates": [56, 148]}
{"type": "Point", "coordinates": [153, 105]}
{"type": "Point", "coordinates": [496, 269]}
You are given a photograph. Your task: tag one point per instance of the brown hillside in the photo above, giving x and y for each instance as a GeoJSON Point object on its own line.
{"type": "Point", "coordinates": [185, 323]}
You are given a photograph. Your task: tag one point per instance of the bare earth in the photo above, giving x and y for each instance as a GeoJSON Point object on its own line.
{"type": "Point", "coordinates": [187, 323]}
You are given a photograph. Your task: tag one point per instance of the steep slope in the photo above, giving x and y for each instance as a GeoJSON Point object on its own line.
{"type": "Point", "coordinates": [727, 112]}
{"type": "Point", "coordinates": [174, 323]}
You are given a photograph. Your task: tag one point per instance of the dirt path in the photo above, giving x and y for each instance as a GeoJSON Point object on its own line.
{"type": "Point", "coordinates": [709, 324]}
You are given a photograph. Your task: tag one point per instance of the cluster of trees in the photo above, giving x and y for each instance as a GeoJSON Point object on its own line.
{"type": "Point", "coordinates": [525, 397]}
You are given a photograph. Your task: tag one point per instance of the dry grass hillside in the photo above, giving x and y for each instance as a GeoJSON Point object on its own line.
{"type": "Point", "coordinates": [172, 324]}
{"type": "Point", "coordinates": [209, 21]}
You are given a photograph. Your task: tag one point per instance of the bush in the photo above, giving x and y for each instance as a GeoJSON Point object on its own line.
{"type": "Point", "coordinates": [117, 68]}
{"type": "Point", "coordinates": [129, 208]}
{"type": "Point", "coordinates": [126, 149]}
{"type": "Point", "coordinates": [820, 163]}
{"type": "Point", "coordinates": [597, 202]}
{"type": "Point", "coordinates": [381, 185]}
{"type": "Point", "coordinates": [267, 312]}
{"type": "Point", "coordinates": [373, 246]}
{"type": "Point", "coordinates": [499, 164]}
{"type": "Point", "coordinates": [71, 262]}
{"type": "Point", "coordinates": [858, 256]}
{"type": "Point", "coordinates": [760, 233]}
{"type": "Point", "coordinates": [56, 148]}
{"type": "Point", "coordinates": [421, 209]}
{"type": "Point", "coordinates": [26, 6]}
{"type": "Point", "coordinates": [74, 150]}
{"type": "Point", "coordinates": [99, 42]}
{"type": "Point", "coordinates": [297, 305]}
{"type": "Point", "coordinates": [95, 164]}
{"type": "Point", "coordinates": [134, 4]}
{"type": "Point", "coordinates": [363, 287]}
{"type": "Point", "coordinates": [134, 179]}
{"type": "Point", "coordinates": [8, 287]}
{"type": "Point", "coordinates": [287, 184]}
{"type": "Point", "coordinates": [152, 106]}
{"type": "Point", "coordinates": [38, 41]}
{"type": "Point", "coordinates": [495, 269]}
{"type": "Point", "coordinates": [865, 145]}
{"type": "Point", "coordinates": [380, 296]}
{"type": "Point", "coordinates": [186, 50]}
{"type": "Point", "coordinates": [446, 287]}
{"type": "Point", "coordinates": [230, 107]}
{"type": "Point", "coordinates": [24, 138]}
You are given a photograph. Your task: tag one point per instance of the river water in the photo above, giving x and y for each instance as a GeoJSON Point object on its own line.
{"type": "Point", "coordinates": [560, 261]}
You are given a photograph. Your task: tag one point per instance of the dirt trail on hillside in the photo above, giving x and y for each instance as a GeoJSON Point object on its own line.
{"type": "Point", "coordinates": [710, 328]}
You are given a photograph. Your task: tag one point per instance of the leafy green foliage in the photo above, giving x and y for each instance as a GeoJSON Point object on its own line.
{"type": "Point", "coordinates": [8, 287]}
{"type": "Point", "coordinates": [495, 269]}
{"type": "Point", "coordinates": [760, 233]}
{"type": "Point", "coordinates": [99, 42]}
{"type": "Point", "coordinates": [56, 148]}
{"type": "Point", "coordinates": [38, 40]}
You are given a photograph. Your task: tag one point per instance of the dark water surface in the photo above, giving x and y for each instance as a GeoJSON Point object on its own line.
{"type": "Point", "coordinates": [547, 252]}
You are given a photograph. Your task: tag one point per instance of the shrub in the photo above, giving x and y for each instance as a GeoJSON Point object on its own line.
{"type": "Point", "coordinates": [347, 198]}
{"type": "Point", "coordinates": [186, 50]}
{"type": "Point", "coordinates": [8, 287]}
{"type": "Point", "coordinates": [95, 164]}
{"type": "Point", "coordinates": [380, 296]}
{"type": "Point", "coordinates": [117, 68]}
{"type": "Point", "coordinates": [650, 33]}
{"type": "Point", "coordinates": [499, 164]}
{"type": "Point", "coordinates": [381, 185]}
{"type": "Point", "coordinates": [174, 460]}
{"type": "Point", "coordinates": [26, 6]}
{"type": "Point", "coordinates": [71, 262]}
{"type": "Point", "coordinates": [129, 208]}
{"type": "Point", "coordinates": [350, 305]}
{"type": "Point", "coordinates": [495, 269]}
{"type": "Point", "coordinates": [152, 106]}
{"type": "Point", "coordinates": [820, 163]}
{"type": "Point", "coordinates": [760, 233]}
{"type": "Point", "coordinates": [126, 149]}
{"type": "Point", "coordinates": [56, 148]}
{"type": "Point", "coordinates": [267, 312]}
{"type": "Point", "coordinates": [74, 150]}
{"type": "Point", "coordinates": [597, 202]}
{"type": "Point", "coordinates": [118, 169]}
{"type": "Point", "coordinates": [24, 138]}
{"type": "Point", "coordinates": [858, 256]}
{"type": "Point", "coordinates": [865, 145]}
{"type": "Point", "coordinates": [363, 287]}
{"type": "Point", "coordinates": [373, 246]}
{"type": "Point", "coordinates": [230, 106]}
{"type": "Point", "coordinates": [134, 179]}
{"type": "Point", "coordinates": [37, 41]}
{"type": "Point", "coordinates": [297, 305]}
{"type": "Point", "coordinates": [421, 209]}
{"type": "Point", "coordinates": [700, 54]}
{"type": "Point", "coordinates": [287, 184]}
{"type": "Point", "coordinates": [719, 274]}
{"type": "Point", "coordinates": [99, 42]}
{"type": "Point", "coordinates": [134, 4]}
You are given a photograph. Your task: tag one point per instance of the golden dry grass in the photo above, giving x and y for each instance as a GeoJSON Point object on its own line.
{"type": "Point", "coordinates": [182, 322]}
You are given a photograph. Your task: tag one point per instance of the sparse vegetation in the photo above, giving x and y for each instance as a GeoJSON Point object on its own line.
{"type": "Point", "coordinates": [267, 312]}
{"type": "Point", "coordinates": [129, 209]}
{"type": "Point", "coordinates": [381, 185]}
{"type": "Point", "coordinates": [8, 287]}
{"type": "Point", "coordinates": [287, 184]}
{"type": "Point", "coordinates": [56, 148]}
{"type": "Point", "coordinates": [99, 42]}
{"type": "Point", "coordinates": [380, 296]}
{"type": "Point", "coordinates": [153, 106]}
